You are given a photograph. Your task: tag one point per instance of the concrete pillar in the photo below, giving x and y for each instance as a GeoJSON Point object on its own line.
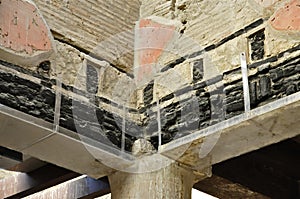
{"type": "Point", "coordinates": [172, 181]}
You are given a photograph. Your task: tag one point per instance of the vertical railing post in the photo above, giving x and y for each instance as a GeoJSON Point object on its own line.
{"type": "Point", "coordinates": [123, 130]}
{"type": "Point", "coordinates": [245, 82]}
{"type": "Point", "coordinates": [57, 104]}
{"type": "Point", "coordinates": [158, 121]}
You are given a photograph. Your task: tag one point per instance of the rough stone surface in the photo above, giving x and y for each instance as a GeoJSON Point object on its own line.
{"type": "Point", "coordinates": [179, 118]}
{"type": "Point", "coordinates": [257, 45]}
{"type": "Point", "coordinates": [142, 147]}
{"type": "Point", "coordinates": [104, 28]}
{"type": "Point", "coordinates": [223, 38]}
{"type": "Point", "coordinates": [82, 117]}
{"type": "Point", "coordinates": [266, 3]}
{"type": "Point", "coordinates": [194, 91]}
{"type": "Point", "coordinates": [67, 64]}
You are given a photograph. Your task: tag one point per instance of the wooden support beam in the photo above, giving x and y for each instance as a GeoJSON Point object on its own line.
{"type": "Point", "coordinates": [223, 188]}
{"type": "Point", "coordinates": [81, 187]}
{"type": "Point", "coordinates": [17, 185]}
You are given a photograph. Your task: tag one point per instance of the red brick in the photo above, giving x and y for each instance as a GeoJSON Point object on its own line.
{"type": "Point", "coordinates": [151, 42]}
{"type": "Point", "coordinates": [288, 17]}
{"type": "Point", "coordinates": [22, 28]}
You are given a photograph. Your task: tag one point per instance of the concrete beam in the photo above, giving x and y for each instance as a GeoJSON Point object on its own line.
{"type": "Point", "coordinates": [16, 161]}
{"type": "Point", "coordinates": [262, 126]}
{"type": "Point", "coordinates": [28, 164]}
{"type": "Point", "coordinates": [6, 162]}
{"type": "Point", "coordinates": [35, 137]}
{"type": "Point", "coordinates": [9, 158]}
{"type": "Point", "coordinates": [241, 134]}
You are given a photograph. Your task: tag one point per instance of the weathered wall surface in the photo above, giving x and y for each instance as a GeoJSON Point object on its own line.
{"type": "Point", "coordinates": [218, 27]}
{"type": "Point", "coordinates": [80, 111]}
{"type": "Point", "coordinates": [91, 89]}
{"type": "Point", "coordinates": [198, 80]}
{"type": "Point", "coordinates": [193, 72]}
{"type": "Point", "coordinates": [103, 28]}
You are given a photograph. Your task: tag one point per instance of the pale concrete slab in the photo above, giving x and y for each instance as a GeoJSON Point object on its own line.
{"type": "Point", "coordinates": [268, 124]}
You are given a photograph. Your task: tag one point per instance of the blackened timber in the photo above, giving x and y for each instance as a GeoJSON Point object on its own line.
{"type": "Point", "coordinates": [214, 46]}
{"type": "Point", "coordinates": [268, 84]}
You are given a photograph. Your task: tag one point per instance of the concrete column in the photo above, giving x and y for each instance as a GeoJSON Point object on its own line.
{"type": "Point", "coordinates": [172, 182]}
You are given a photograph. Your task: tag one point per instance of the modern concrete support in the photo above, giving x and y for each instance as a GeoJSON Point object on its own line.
{"type": "Point", "coordinates": [195, 195]}
{"type": "Point", "coordinates": [172, 181]}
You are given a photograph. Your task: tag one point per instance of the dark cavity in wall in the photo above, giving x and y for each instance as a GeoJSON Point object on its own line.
{"type": "Point", "coordinates": [256, 42]}
{"type": "Point", "coordinates": [148, 93]}
{"type": "Point", "coordinates": [44, 68]}
{"type": "Point", "coordinates": [91, 79]}
{"type": "Point", "coordinates": [198, 70]}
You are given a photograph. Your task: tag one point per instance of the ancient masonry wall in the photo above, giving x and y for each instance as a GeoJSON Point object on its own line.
{"type": "Point", "coordinates": [210, 88]}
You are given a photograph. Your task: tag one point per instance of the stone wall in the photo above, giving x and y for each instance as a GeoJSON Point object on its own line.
{"type": "Point", "coordinates": [197, 82]}
{"type": "Point", "coordinates": [201, 65]}
{"type": "Point", "coordinates": [181, 113]}
{"type": "Point", "coordinates": [102, 28]}
{"type": "Point", "coordinates": [80, 111]}
{"type": "Point", "coordinates": [218, 27]}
